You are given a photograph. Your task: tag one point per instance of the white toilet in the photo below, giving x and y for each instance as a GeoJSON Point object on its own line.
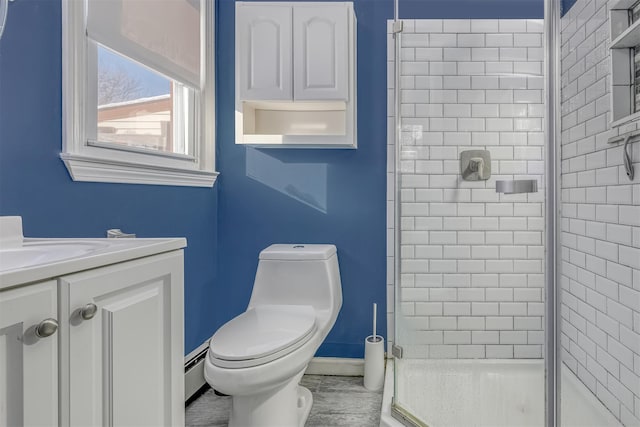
{"type": "Point", "coordinates": [259, 357]}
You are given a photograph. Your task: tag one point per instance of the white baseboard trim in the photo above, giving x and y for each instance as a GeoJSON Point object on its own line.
{"type": "Point", "coordinates": [336, 366]}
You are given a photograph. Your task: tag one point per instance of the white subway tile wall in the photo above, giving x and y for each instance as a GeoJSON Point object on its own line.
{"type": "Point", "coordinates": [600, 225]}
{"type": "Point", "coordinates": [472, 260]}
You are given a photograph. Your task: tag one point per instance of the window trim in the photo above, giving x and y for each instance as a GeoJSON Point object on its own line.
{"type": "Point", "coordinates": [95, 163]}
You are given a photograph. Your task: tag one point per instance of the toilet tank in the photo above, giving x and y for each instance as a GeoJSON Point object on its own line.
{"type": "Point", "coordinates": [300, 274]}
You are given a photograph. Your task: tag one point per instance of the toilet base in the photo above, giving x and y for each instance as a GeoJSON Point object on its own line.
{"type": "Point", "coordinates": [287, 405]}
{"type": "Point", "coordinates": [305, 401]}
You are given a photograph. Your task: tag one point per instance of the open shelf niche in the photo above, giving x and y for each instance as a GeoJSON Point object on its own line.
{"type": "Point", "coordinates": [625, 61]}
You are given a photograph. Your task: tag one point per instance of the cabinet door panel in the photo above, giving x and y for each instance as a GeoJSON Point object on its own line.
{"type": "Point", "coordinates": [126, 363]}
{"type": "Point", "coordinates": [28, 364]}
{"type": "Point", "coordinates": [125, 346]}
{"type": "Point", "coordinates": [263, 37]}
{"type": "Point", "coordinates": [321, 49]}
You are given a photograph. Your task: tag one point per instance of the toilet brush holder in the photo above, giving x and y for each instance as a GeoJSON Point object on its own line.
{"type": "Point", "coordinates": [374, 362]}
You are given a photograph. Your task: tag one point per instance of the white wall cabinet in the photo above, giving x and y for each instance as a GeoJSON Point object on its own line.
{"type": "Point", "coordinates": [320, 52]}
{"type": "Point", "coordinates": [28, 363]}
{"type": "Point", "coordinates": [264, 39]}
{"type": "Point", "coordinates": [293, 52]}
{"type": "Point", "coordinates": [120, 341]}
{"type": "Point", "coordinates": [295, 74]}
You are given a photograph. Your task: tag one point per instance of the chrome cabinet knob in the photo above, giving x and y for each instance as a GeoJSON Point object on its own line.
{"type": "Point", "coordinates": [88, 311]}
{"type": "Point", "coordinates": [46, 328]}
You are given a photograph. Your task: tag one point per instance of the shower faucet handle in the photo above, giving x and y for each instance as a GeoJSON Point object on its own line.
{"type": "Point", "coordinates": [476, 164]}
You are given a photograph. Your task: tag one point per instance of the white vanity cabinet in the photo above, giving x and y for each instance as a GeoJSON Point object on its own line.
{"type": "Point", "coordinates": [29, 363]}
{"type": "Point", "coordinates": [116, 356]}
{"type": "Point", "coordinates": [122, 343]}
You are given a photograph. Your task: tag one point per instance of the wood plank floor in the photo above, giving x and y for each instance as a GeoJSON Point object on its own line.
{"type": "Point", "coordinates": [337, 402]}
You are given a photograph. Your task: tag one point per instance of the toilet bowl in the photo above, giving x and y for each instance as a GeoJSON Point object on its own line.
{"type": "Point", "coordinates": [259, 357]}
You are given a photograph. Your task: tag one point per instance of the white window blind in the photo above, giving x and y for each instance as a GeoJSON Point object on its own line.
{"type": "Point", "coordinates": [162, 34]}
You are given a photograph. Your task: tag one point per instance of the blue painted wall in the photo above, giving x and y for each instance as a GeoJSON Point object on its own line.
{"type": "Point", "coordinates": [262, 196]}
{"type": "Point", "coordinates": [322, 196]}
{"type": "Point", "coordinates": [566, 5]}
{"type": "Point", "coordinates": [310, 196]}
{"type": "Point", "coordinates": [35, 184]}
{"type": "Point", "coordinates": [471, 9]}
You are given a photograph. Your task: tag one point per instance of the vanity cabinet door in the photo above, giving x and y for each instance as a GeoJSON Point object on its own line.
{"type": "Point", "coordinates": [263, 52]}
{"type": "Point", "coordinates": [29, 363]}
{"type": "Point", "coordinates": [321, 52]}
{"type": "Point", "coordinates": [125, 343]}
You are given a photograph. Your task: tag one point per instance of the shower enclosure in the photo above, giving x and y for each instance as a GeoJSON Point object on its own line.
{"type": "Point", "coordinates": [497, 319]}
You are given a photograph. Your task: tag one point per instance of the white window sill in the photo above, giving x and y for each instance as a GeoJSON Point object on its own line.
{"type": "Point", "coordinates": [94, 169]}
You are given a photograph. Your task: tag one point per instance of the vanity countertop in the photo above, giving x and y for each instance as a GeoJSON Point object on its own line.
{"type": "Point", "coordinates": [39, 259]}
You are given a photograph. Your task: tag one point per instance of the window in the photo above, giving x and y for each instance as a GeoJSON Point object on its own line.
{"type": "Point", "coordinates": [138, 91]}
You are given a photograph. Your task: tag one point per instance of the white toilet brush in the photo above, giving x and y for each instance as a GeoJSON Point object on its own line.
{"type": "Point", "coordinates": [374, 358]}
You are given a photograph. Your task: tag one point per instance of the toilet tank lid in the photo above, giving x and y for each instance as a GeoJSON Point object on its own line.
{"type": "Point", "coordinates": [299, 252]}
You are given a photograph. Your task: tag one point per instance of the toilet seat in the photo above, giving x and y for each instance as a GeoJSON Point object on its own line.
{"type": "Point", "coordinates": [262, 334]}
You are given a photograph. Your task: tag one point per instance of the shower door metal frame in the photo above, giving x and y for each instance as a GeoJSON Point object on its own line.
{"type": "Point", "coordinates": [552, 9]}
{"type": "Point", "coordinates": [397, 411]}
{"type": "Point", "coordinates": [552, 211]}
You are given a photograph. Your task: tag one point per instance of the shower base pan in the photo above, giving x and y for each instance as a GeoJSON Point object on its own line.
{"type": "Point", "coordinates": [482, 393]}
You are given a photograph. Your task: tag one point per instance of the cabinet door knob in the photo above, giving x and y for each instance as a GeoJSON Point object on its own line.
{"type": "Point", "coordinates": [88, 311]}
{"type": "Point", "coordinates": [46, 328]}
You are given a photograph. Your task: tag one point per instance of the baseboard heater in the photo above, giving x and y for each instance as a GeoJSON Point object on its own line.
{"type": "Point", "coordinates": [194, 371]}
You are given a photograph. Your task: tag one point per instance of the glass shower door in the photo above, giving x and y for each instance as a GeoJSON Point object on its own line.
{"type": "Point", "coordinates": [469, 298]}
